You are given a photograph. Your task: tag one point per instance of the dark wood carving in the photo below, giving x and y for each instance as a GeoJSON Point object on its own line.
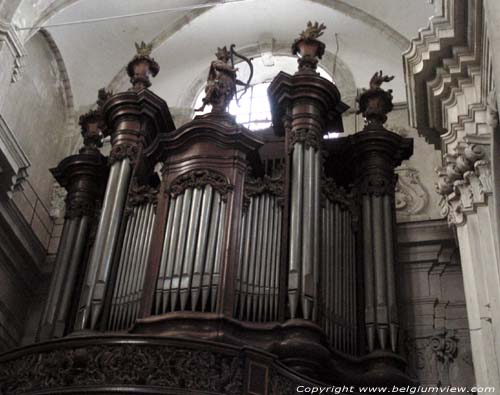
{"type": "Point", "coordinates": [183, 348]}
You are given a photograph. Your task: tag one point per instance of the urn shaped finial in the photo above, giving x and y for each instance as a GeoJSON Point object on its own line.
{"type": "Point", "coordinates": [308, 47]}
{"type": "Point", "coordinates": [142, 66]}
{"type": "Point", "coordinates": [375, 103]}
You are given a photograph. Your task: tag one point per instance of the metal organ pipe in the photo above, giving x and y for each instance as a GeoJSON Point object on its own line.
{"type": "Point", "coordinates": [107, 232]}
{"type": "Point", "coordinates": [295, 276]}
{"type": "Point", "coordinates": [192, 256]}
{"type": "Point", "coordinates": [369, 279]}
{"type": "Point", "coordinates": [188, 264]}
{"type": "Point", "coordinates": [201, 246]}
{"type": "Point", "coordinates": [132, 266]}
{"type": "Point", "coordinates": [75, 261]}
{"type": "Point", "coordinates": [391, 278]}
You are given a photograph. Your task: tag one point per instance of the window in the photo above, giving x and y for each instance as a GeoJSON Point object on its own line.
{"type": "Point", "coordinates": [253, 110]}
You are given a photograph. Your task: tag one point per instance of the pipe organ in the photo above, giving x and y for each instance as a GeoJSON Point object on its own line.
{"type": "Point", "coordinates": [282, 240]}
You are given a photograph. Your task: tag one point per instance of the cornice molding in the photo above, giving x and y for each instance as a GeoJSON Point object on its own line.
{"type": "Point", "coordinates": [430, 71]}
{"type": "Point", "coordinates": [10, 38]}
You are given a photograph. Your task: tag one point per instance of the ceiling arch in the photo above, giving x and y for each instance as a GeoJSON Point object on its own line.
{"type": "Point", "coordinates": [96, 55]}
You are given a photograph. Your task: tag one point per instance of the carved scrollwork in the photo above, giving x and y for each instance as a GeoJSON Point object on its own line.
{"type": "Point", "coordinates": [444, 345]}
{"type": "Point", "coordinates": [463, 182]}
{"type": "Point", "coordinates": [267, 184]}
{"type": "Point", "coordinates": [309, 138]}
{"type": "Point", "coordinates": [331, 191]}
{"type": "Point", "coordinates": [142, 194]}
{"type": "Point", "coordinates": [122, 151]}
{"type": "Point", "coordinates": [124, 364]}
{"type": "Point", "coordinates": [198, 179]}
{"type": "Point", "coordinates": [347, 200]}
{"type": "Point", "coordinates": [411, 198]}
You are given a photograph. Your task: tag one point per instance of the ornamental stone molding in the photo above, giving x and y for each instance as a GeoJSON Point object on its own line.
{"type": "Point", "coordinates": [13, 161]}
{"type": "Point", "coordinates": [10, 38]}
{"type": "Point", "coordinates": [464, 183]}
{"type": "Point", "coordinates": [442, 89]}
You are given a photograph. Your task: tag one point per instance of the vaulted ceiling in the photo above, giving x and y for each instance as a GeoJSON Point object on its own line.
{"type": "Point", "coordinates": [372, 34]}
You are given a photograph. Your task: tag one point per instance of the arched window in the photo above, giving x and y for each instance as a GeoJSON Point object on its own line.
{"type": "Point", "coordinates": [253, 110]}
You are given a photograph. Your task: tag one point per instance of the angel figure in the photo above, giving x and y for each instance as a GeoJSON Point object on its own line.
{"type": "Point", "coordinates": [221, 82]}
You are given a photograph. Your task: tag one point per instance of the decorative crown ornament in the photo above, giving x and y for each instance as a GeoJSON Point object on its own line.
{"type": "Point", "coordinates": [142, 66]}
{"type": "Point", "coordinates": [375, 103]}
{"type": "Point", "coordinates": [308, 47]}
{"type": "Point", "coordinates": [144, 49]}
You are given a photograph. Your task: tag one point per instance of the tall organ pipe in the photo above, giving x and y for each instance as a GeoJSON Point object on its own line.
{"type": "Point", "coordinates": [75, 261]}
{"type": "Point", "coordinates": [391, 278]}
{"type": "Point", "coordinates": [99, 264]}
{"type": "Point", "coordinates": [295, 276]}
{"type": "Point", "coordinates": [377, 152]}
{"type": "Point", "coordinates": [201, 246]}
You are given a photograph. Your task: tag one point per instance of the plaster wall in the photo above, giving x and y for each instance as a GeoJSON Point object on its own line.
{"type": "Point", "coordinates": [34, 109]}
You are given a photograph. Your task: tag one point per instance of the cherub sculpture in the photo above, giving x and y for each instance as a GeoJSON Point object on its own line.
{"type": "Point", "coordinates": [222, 80]}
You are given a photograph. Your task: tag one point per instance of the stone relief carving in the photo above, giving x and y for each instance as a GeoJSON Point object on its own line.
{"type": "Point", "coordinates": [464, 182]}
{"type": "Point", "coordinates": [411, 197]}
{"type": "Point", "coordinates": [433, 358]}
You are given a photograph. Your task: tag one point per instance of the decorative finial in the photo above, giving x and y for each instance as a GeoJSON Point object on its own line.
{"type": "Point", "coordinates": [312, 31]}
{"type": "Point", "coordinates": [144, 49]}
{"type": "Point", "coordinates": [142, 66]}
{"type": "Point", "coordinates": [91, 132]}
{"type": "Point", "coordinates": [375, 103]}
{"type": "Point", "coordinates": [102, 95]}
{"type": "Point", "coordinates": [309, 48]}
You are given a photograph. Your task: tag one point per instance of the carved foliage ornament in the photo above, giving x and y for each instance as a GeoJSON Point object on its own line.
{"type": "Point", "coordinates": [125, 364]}
{"type": "Point", "coordinates": [346, 200]}
{"type": "Point", "coordinates": [308, 137]}
{"type": "Point", "coordinates": [465, 181]}
{"type": "Point", "coordinates": [122, 151]}
{"type": "Point", "coordinates": [267, 184]}
{"type": "Point", "coordinates": [142, 194]}
{"type": "Point", "coordinates": [198, 179]}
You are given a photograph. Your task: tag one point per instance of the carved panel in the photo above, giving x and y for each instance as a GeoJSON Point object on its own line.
{"type": "Point", "coordinates": [123, 364]}
{"type": "Point", "coordinates": [411, 197]}
{"type": "Point", "coordinates": [198, 179]}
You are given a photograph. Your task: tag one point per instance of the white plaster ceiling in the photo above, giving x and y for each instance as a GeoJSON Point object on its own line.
{"type": "Point", "coordinates": [372, 35]}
